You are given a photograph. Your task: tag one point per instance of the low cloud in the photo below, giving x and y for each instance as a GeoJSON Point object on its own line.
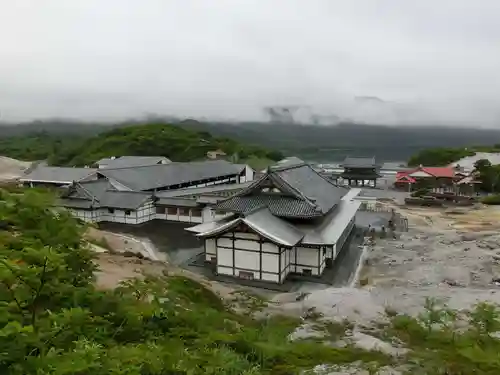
{"type": "Point", "coordinates": [427, 61]}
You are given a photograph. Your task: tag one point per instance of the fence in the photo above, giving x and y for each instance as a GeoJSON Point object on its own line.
{"type": "Point", "coordinates": [400, 222]}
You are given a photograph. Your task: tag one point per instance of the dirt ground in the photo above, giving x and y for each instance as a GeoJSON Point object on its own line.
{"type": "Point", "coordinates": [450, 255]}
{"type": "Point", "coordinates": [11, 169]}
{"type": "Point", "coordinates": [116, 262]}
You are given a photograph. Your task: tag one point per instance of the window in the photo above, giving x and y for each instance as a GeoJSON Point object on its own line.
{"type": "Point", "coordinates": [127, 212]}
{"type": "Point", "coordinates": [246, 275]}
{"type": "Point", "coordinates": [324, 251]}
{"type": "Point", "coordinates": [306, 271]}
{"type": "Point", "coordinates": [184, 211]}
{"type": "Point", "coordinates": [111, 210]}
{"type": "Point", "coordinates": [196, 212]}
{"type": "Point", "coordinates": [160, 210]}
{"type": "Point", "coordinates": [171, 210]}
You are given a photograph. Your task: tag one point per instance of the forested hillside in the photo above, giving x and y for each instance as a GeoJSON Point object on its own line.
{"type": "Point", "coordinates": [444, 156]}
{"type": "Point", "coordinates": [315, 143]}
{"type": "Point", "coordinates": [88, 146]}
{"type": "Point", "coordinates": [327, 143]}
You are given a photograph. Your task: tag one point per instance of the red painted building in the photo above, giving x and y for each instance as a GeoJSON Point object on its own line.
{"type": "Point", "coordinates": [440, 179]}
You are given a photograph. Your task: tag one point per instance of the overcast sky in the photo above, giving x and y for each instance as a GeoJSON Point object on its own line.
{"type": "Point", "coordinates": [428, 60]}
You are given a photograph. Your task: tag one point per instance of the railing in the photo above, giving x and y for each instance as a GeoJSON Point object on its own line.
{"type": "Point", "coordinates": [400, 222]}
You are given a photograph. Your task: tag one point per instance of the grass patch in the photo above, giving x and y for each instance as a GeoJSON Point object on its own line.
{"type": "Point", "coordinates": [250, 301]}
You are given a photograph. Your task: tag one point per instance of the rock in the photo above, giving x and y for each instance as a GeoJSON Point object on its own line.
{"type": "Point", "coordinates": [306, 331]}
{"type": "Point", "coordinates": [367, 342]}
{"type": "Point", "coordinates": [473, 236]}
{"type": "Point", "coordinates": [455, 276]}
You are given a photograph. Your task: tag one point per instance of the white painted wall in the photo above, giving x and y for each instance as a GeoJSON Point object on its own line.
{"type": "Point", "coordinates": [181, 214]}
{"type": "Point", "coordinates": [210, 249]}
{"type": "Point", "coordinates": [249, 174]}
{"type": "Point", "coordinates": [247, 257]}
{"type": "Point", "coordinates": [144, 213]}
{"type": "Point", "coordinates": [307, 258]}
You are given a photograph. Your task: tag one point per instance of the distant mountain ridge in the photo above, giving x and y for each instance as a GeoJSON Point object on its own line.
{"type": "Point", "coordinates": [312, 142]}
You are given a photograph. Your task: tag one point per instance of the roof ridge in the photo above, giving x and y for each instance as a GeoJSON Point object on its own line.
{"type": "Point", "coordinates": [327, 179]}
{"type": "Point", "coordinates": [254, 210]}
{"type": "Point", "coordinates": [298, 193]}
{"type": "Point", "coordinates": [271, 174]}
{"type": "Point", "coordinates": [285, 167]}
{"type": "Point", "coordinates": [92, 196]}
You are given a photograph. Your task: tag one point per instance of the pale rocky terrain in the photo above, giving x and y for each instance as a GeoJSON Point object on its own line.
{"type": "Point", "coordinates": [452, 256]}
{"type": "Point", "coordinates": [11, 169]}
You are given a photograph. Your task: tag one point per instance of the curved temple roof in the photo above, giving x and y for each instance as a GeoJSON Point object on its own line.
{"type": "Point", "coordinates": [260, 220]}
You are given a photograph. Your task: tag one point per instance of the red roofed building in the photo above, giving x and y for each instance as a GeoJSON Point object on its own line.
{"type": "Point", "coordinates": [439, 178]}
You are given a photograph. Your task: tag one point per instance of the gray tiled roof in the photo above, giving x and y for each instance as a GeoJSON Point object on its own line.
{"type": "Point", "coordinates": [57, 174]}
{"type": "Point", "coordinates": [303, 193]}
{"type": "Point", "coordinates": [289, 161]}
{"type": "Point", "coordinates": [332, 226]}
{"type": "Point", "coordinates": [161, 176]}
{"type": "Point", "coordinates": [131, 161]}
{"type": "Point", "coordinates": [309, 183]}
{"type": "Point", "coordinates": [278, 205]}
{"type": "Point", "coordinates": [202, 190]}
{"type": "Point", "coordinates": [352, 162]}
{"type": "Point", "coordinates": [263, 222]}
{"type": "Point", "coordinates": [178, 202]}
{"type": "Point", "coordinates": [101, 193]}
{"type": "Point", "coordinates": [124, 199]}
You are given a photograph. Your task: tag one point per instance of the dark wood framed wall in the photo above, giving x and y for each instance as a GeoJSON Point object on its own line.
{"type": "Point", "coordinates": [269, 266]}
{"type": "Point", "coordinates": [357, 176]}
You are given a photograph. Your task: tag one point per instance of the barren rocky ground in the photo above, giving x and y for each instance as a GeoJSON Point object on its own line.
{"type": "Point", "coordinates": [11, 169]}
{"type": "Point", "coordinates": [451, 256]}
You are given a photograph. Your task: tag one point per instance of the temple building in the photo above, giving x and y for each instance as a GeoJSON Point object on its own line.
{"type": "Point", "coordinates": [360, 172]}
{"type": "Point", "coordinates": [289, 221]}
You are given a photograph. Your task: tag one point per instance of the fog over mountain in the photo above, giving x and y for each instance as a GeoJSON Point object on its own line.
{"type": "Point", "coordinates": [386, 61]}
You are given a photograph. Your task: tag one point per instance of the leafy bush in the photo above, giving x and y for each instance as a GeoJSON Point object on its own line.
{"type": "Point", "coordinates": [152, 139]}
{"type": "Point", "coordinates": [439, 156]}
{"type": "Point", "coordinates": [54, 322]}
{"type": "Point", "coordinates": [420, 193]}
{"type": "Point", "coordinates": [491, 199]}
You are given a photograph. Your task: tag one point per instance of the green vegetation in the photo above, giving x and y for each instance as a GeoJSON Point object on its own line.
{"type": "Point", "coordinates": [439, 156]}
{"type": "Point", "coordinates": [172, 141]}
{"type": "Point", "coordinates": [38, 146]}
{"type": "Point", "coordinates": [445, 156]}
{"type": "Point", "coordinates": [316, 143]}
{"type": "Point", "coordinates": [54, 322]}
{"type": "Point", "coordinates": [493, 200]}
{"type": "Point", "coordinates": [443, 341]}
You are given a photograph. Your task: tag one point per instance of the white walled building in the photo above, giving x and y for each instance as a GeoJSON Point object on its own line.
{"type": "Point", "coordinates": [291, 220]}
{"type": "Point", "coordinates": [130, 195]}
{"type": "Point", "coordinates": [57, 176]}
{"type": "Point", "coordinates": [130, 161]}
